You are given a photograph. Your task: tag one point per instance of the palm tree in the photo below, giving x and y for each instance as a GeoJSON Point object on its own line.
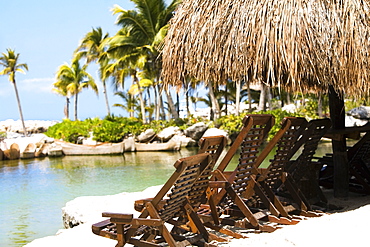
{"type": "Point", "coordinates": [10, 63]}
{"type": "Point", "coordinates": [92, 48]}
{"type": "Point", "coordinates": [146, 29]}
{"type": "Point", "coordinates": [130, 102]}
{"type": "Point", "coordinates": [75, 78]}
{"type": "Point", "coordinates": [60, 87]}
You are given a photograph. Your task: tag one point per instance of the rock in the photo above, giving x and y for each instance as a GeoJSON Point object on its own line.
{"type": "Point", "coordinates": [292, 108]}
{"type": "Point", "coordinates": [351, 121]}
{"type": "Point", "coordinates": [215, 132]}
{"type": "Point", "coordinates": [146, 135]}
{"type": "Point", "coordinates": [32, 126]}
{"type": "Point", "coordinates": [167, 133]}
{"type": "Point", "coordinates": [130, 144]}
{"type": "Point", "coordinates": [361, 112]}
{"type": "Point", "coordinates": [196, 131]}
{"type": "Point", "coordinates": [185, 141]}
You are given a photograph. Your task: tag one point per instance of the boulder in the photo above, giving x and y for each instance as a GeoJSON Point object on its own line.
{"type": "Point", "coordinates": [196, 131]}
{"type": "Point", "coordinates": [361, 112]}
{"type": "Point", "coordinates": [216, 132]}
{"type": "Point", "coordinates": [32, 126]}
{"type": "Point", "coordinates": [352, 122]}
{"type": "Point", "coordinates": [130, 144]}
{"type": "Point", "coordinates": [185, 141]}
{"type": "Point", "coordinates": [167, 133]}
{"type": "Point", "coordinates": [146, 136]}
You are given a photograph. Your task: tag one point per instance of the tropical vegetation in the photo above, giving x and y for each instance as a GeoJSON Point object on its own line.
{"type": "Point", "coordinates": [135, 52]}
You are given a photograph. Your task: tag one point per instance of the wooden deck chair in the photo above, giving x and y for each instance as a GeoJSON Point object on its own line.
{"type": "Point", "coordinates": [213, 145]}
{"type": "Point", "coordinates": [289, 139]}
{"type": "Point", "coordinates": [144, 231]}
{"type": "Point", "coordinates": [358, 162]}
{"type": "Point", "coordinates": [304, 170]}
{"type": "Point", "coordinates": [229, 188]}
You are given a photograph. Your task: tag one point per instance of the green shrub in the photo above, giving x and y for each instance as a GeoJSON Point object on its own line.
{"type": "Point", "coordinates": [110, 129]}
{"type": "Point", "coordinates": [69, 130]}
{"type": "Point", "coordinates": [279, 115]}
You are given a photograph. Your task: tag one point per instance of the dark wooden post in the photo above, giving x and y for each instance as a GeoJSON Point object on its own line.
{"type": "Point", "coordinates": [341, 172]}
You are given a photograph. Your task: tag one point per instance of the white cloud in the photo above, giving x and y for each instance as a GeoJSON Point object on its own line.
{"type": "Point", "coordinates": [37, 84]}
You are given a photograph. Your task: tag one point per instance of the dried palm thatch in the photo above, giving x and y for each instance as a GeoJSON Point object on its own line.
{"type": "Point", "coordinates": [297, 44]}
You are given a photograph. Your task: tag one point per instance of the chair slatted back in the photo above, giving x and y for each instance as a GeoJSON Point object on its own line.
{"type": "Point", "coordinates": [188, 171]}
{"type": "Point", "coordinates": [212, 145]}
{"type": "Point", "coordinates": [286, 146]}
{"type": "Point", "coordinates": [311, 137]}
{"type": "Point", "coordinates": [254, 131]}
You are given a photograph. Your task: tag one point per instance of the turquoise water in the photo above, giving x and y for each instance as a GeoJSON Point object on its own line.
{"type": "Point", "coordinates": [34, 191]}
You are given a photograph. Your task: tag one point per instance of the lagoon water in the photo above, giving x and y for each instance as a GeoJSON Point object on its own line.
{"type": "Point", "coordinates": [34, 191]}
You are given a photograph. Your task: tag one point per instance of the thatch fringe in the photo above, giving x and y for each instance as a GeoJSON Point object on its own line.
{"type": "Point", "coordinates": [296, 44]}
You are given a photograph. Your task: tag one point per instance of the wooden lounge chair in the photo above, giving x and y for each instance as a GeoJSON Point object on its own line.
{"type": "Point", "coordinates": [230, 188]}
{"type": "Point", "coordinates": [144, 231]}
{"type": "Point", "coordinates": [304, 169]}
{"type": "Point", "coordinates": [358, 162]}
{"type": "Point", "coordinates": [294, 133]}
{"type": "Point", "coordinates": [212, 145]}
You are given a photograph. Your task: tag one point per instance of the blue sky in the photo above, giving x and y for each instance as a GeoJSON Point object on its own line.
{"type": "Point", "coordinates": [46, 33]}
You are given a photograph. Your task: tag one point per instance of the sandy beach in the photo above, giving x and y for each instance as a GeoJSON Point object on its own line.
{"type": "Point", "coordinates": [347, 226]}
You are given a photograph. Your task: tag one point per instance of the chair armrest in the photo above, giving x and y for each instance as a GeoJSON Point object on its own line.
{"type": "Point", "coordinates": [119, 218]}
{"type": "Point", "coordinates": [139, 205]}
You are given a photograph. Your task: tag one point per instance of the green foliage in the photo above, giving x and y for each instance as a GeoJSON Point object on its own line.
{"type": "Point", "coordinates": [279, 115]}
{"type": "Point", "coordinates": [69, 130]}
{"type": "Point", "coordinates": [110, 129]}
{"type": "Point", "coordinates": [115, 129]}
{"type": "Point", "coordinates": [233, 124]}
{"type": "Point", "coordinates": [2, 135]}
{"type": "Point", "coordinates": [230, 123]}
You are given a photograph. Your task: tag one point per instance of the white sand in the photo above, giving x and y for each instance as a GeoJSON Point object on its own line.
{"type": "Point", "coordinates": [345, 228]}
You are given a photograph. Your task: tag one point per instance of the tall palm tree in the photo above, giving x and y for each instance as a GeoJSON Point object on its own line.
{"type": "Point", "coordinates": [128, 61]}
{"type": "Point", "coordinates": [147, 26]}
{"type": "Point", "coordinates": [10, 63]}
{"type": "Point", "coordinates": [93, 49]}
{"type": "Point", "coordinates": [76, 78]}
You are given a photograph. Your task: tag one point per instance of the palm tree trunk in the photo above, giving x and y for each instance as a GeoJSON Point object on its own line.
{"type": "Point", "coordinates": [249, 97]}
{"type": "Point", "coordinates": [19, 108]}
{"type": "Point", "coordinates": [269, 97]}
{"type": "Point", "coordinates": [214, 104]}
{"type": "Point", "coordinates": [187, 102]}
{"type": "Point", "coordinates": [106, 97]}
{"type": "Point", "coordinates": [76, 106]}
{"type": "Point", "coordinates": [132, 112]}
{"type": "Point", "coordinates": [237, 97]}
{"type": "Point", "coordinates": [262, 103]}
{"type": "Point", "coordinates": [171, 105]}
{"type": "Point", "coordinates": [226, 100]}
{"type": "Point", "coordinates": [66, 108]}
{"type": "Point", "coordinates": [142, 106]}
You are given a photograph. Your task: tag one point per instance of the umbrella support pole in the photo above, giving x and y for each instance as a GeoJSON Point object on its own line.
{"type": "Point", "coordinates": [341, 169]}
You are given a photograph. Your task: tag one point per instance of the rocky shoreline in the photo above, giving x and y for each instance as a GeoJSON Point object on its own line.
{"type": "Point", "coordinates": [15, 145]}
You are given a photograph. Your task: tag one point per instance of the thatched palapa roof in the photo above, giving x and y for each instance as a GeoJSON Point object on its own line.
{"type": "Point", "coordinates": [297, 44]}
